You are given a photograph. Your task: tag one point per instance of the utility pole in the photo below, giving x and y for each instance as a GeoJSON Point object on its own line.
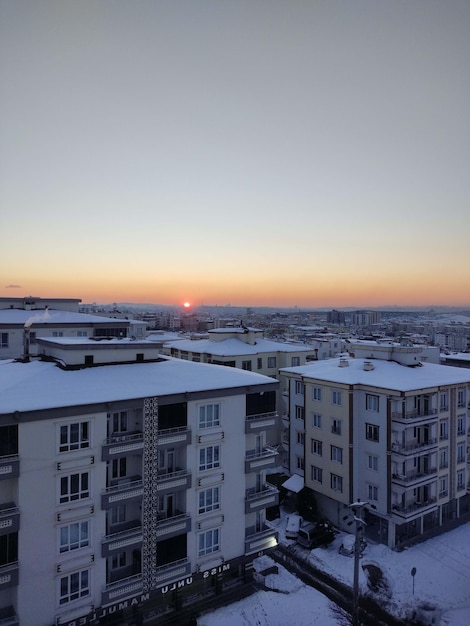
{"type": "Point", "coordinates": [357, 508]}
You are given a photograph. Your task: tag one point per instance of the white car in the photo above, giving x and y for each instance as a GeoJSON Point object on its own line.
{"type": "Point", "coordinates": [293, 525]}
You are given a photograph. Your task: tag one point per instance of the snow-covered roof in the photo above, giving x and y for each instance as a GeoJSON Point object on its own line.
{"type": "Point", "coordinates": [53, 317]}
{"type": "Point", "coordinates": [40, 385]}
{"type": "Point", "coordinates": [235, 347]}
{"type": "Point", "coordinates": [295, 483]}
{"type": "Point", "coordinates": [90, 342]}
{"type": "Point", "coordinates": [385, 374]}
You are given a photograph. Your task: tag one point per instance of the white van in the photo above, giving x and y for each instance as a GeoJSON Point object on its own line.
{"type": "Point", "coordinates": [293, 525]}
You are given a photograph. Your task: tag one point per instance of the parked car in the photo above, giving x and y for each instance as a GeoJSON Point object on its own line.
{"type": "Point", "coordinates": [293, 524]}
{"type": "Point", "coordinates": [347, 546]}
{"type": "Point", "coordinates": [315, 534]}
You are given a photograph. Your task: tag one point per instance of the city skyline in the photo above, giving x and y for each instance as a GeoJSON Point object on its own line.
{"type": "Point", "coordinates": [308, 154]}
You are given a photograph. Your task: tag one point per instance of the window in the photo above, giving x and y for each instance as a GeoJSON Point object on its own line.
{"type": "Point", "coordinates": [299, 412]}
{"type": "Point", "coordinates": [336, 454]}
{"type": "Point", "coordinates": [317, 447]}
{"type": "Point", "coordinates": [443, 458]}
{"type": "Point", "coordinates": [299, 387]}
{"type": "Point", "coordinates": [260, 363]}
{"type": "Point", "coordinates": [208, 542]}
{"type": "Point", "coordinates": [372, 432]}
{"type": "Point", "coordinates": [74, 586]}
{"type": "Point", "coordinates": [372, 402]}
{"type": "Point", "coordinates": [119, 467]}
{"type": "Point", "coordinates": [118, 421]}
{"type": "Point", "coordinates": [82, 333]}
{"type": "Point", "coordinates": [336, 482]}
{"type": "Point", "coordinates": [271, 361]}
{"type": "Point", "coordinates": [57, 334]}
{"type": "Point", "coordinates": [373, 462]}
{"type": "Point", "coordinates": [443, 402]}
{"type": "Point", "coordinates": [444, 429]}
{"type": "Point", "coordinates": [316, 420]}
{"type": "Point", "coordinates": [209, 415]}
{"type": "Point", "coordinates": [317, 474]}
{"type": "Point", "coordinates": [75, 436]}
{"type": "Point", "coordinates": [74, 487]}
{"type": "Point", "coordinates": [443, 486]}
{"type": "Point", "coordinates": [74, 536]}
{"type": "Point", "coordinates": [209, 500]}
{"type": "Point", "coordinates": [246, 365]}
{"type": "Point", "coordinates": [372, 492]}
{"type": "Point", "coordinates": [300, 463]}
{"type": "Point", "coordinates": [118, 560]}
{"type": "Point", "coordinates": [336, 426]}
{"type": "Point", "coordinates": [209, 458]}
{"type": "Point", "coordinates": [3, 340]}
{"type": "Point", "coordinates": [461, 479]}
{"type": "Point", "coordinates": [461, 398]}
{"type": "Point", "coordinates": [316, 393]}
{"type": "Point", "coordinates": [336, 397]}
{"type": "Point", "coordinates": [460, 424]}
{"type": "Point", "coordinates": [295, 361]}
{"type": "Point", "coordinates": [460, 453]}
{"type": "Point", "coordinates": [118, 514]}
{"type": "Point", "coordinates": [301, 438]}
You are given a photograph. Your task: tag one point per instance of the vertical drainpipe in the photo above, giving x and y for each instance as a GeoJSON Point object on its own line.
{"type": "Point", "coordinates": [351, 445]}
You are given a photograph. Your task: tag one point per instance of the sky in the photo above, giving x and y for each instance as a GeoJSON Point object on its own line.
{"type": "Point", "coordinates": [441, 582]}
{"type": "Point", "coordinates": [305, 153]}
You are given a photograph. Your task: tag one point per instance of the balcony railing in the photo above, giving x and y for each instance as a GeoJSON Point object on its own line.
{"type": "Point", "coordinates": [126, 489]}
{"type": "Point", "coordinates": [257, 540]}
{"type": "Point", "coordinates": [412, 446]}
{"type": "Point", "coordinates": [179, 479]}
{"type": "Point", "coordinates": [9, 575]}
{"type": "Point", "coordinates": [414, 414]}
{"type": "Point", "coordinates": [415, 476]}
{"type": "Point", "coordinates": [257, 460]}
{"type": "Point", "coordinates": [9, 466]}
{"type": "Point", "coordinates": [132, 585]}
{"type": "Point", "coordinates": [258, 500]}
{"type": "Point", "coordinates": [117, 542]}
{"type": "Point", "coordinates": [413, 507]}
{"type": "Point", "coordinates": [261, 421]}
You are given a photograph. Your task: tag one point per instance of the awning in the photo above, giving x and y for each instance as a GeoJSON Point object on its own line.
{"type": "Point", "coordinates": [295, 483]}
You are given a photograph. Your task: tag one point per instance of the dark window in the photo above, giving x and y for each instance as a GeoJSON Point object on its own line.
{"type": "Point", "coordinates": [8, 440]}
{"type": "Point", "coordinates": [139, 357]}
{"type": "Point", "coordinates": [172, 415]}
{"type": "Point", "coordinates": [258, 403]}
{"type": "Point", "coordinates": [8, 548]}
{"type": "Point", "coordinates": [88, 359]}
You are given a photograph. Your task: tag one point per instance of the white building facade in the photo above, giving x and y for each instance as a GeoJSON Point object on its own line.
{"type": "Point", "coordinates": [393, 433]}
{"type": "Point", "coordinates": [127, 486]}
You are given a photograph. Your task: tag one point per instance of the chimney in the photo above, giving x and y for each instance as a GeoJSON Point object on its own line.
{"type": "Point", "coordinates": [343, 363]}
{"type": "Point", "coordinates": [368, 366]}
{"type": "Point", "coordinates": [26, 344]}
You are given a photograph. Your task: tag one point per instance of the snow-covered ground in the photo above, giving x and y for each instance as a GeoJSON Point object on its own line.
{"type": "Point", "coordinates": [441, 583]}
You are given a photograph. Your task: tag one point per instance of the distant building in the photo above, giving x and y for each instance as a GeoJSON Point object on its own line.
{"type": "Point", "coordinates": [128, 486]}
{"type": "Point", "coordinates": [365, 318]}
{"type": "Point", "coordinates": [385, 428]}
{"type": "Point", "coordinates": [335, 317]}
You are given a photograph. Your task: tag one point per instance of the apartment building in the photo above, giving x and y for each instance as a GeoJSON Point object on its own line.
{"type": "Point", "coordinates": [127, 483]}
{"type": "Point", "coordinates": [382, 427]}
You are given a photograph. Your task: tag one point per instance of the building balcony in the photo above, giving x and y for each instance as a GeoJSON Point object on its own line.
{"type": "Point", "coordinates": [9, 518]}
{"type": "Point", "coordinates": [122, 445]}
{"type": "Point", "coordinates": [414, 476]}
{"type": "Point", "coordinates": [415, 415]}
{"type": "Point", "coordinates": [121, 589]}
{"type": "Point", "coordinates": [260, 460]}
{"type": "Point", "coordinates": [256, 541]}
{"type": "Point", "coordinates": [9, 575]}
{"type": "Point", "coordinates": [258, 500]}
{"type": "Point", "coordinates": [180, 436]}
{"type": "Point", "coordinates": [118, 542]}
{"type": "Point", "coordinates": [413, 447]}
{"type": "Point", "coordinates": [126, 490]}
{"type": "Point", "coordinates": [171, 526]}
{"type": "Point", "coordinates": [262, 421]}
{"type": "Point", "coordinates": [178, 480]}
{"type": "Point", "coordinates": [9, 466]}
{"type": "Point", "coordinates": [411, 508]}
{"type": "Point", "coordinates": [8, 617]}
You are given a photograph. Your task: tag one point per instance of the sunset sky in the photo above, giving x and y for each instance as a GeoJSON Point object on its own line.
{"type": "Point", "coordinates": [287, 153]}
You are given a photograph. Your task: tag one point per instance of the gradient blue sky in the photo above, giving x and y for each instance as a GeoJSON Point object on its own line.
{"type": "Point", "coordinates": [311, 153]}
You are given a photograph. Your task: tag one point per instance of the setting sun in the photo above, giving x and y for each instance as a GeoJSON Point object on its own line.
{"type": "Point", "coordinates": [187, 305]}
